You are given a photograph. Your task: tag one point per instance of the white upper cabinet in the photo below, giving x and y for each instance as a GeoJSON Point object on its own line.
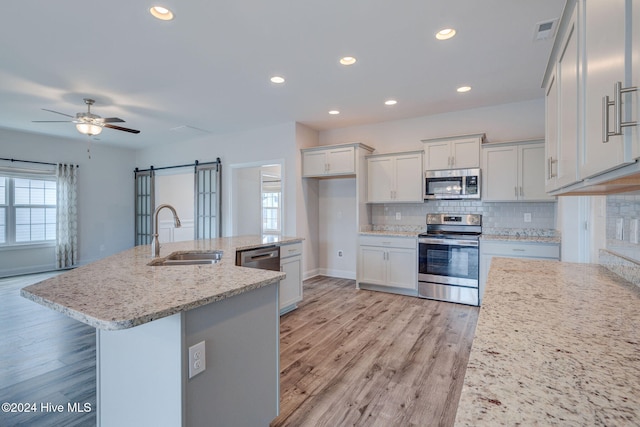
{"type": "Point", "coordinates": [608, 60]}
{"type": "Point", "coordinates": [562, 113]}
{"type": "Point", "coordinates": [591, 98]}
{"type": "Point", "coordinates": [457, 152]}
{"type": "Point", "coordinates": [514, 172]}
{"type": "Point", "coordinates": [395, 177]}
{"type": "Point", "coordinates": [334, 160]}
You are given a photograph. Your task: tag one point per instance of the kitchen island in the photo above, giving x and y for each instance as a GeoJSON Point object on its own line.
{"type": "Point", "coordinates": [147, 317]}
{"type": "Point", "coordinates": [556, 344]}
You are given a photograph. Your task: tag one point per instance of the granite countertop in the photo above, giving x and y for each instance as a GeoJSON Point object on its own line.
{"type": "Point", "coordinates": [390, 233]}
{"type": "Point", "coordinates": [556, 344]}
{"type": "Point", "coordinates": [520, 238]}
{"type": "Point", "coordinates": [122, 291]}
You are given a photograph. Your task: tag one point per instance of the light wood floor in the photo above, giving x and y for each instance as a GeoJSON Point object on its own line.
{"type": "Point", "coordinates": [45, 357]}
{"type": "Point", "coordinates": [348, 358]}
{"type": "Point", "coordinates": [363, 358]}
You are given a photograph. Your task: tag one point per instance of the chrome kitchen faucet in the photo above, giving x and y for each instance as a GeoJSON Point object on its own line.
{"type": "Point", "coordinates": [155, 245]}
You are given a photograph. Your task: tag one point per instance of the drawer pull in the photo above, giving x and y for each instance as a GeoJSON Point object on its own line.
{"type": "Point", "coordinates": [518, 250]}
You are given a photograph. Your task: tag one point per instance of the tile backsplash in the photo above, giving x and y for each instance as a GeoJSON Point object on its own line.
{"type": "Point", "coordinates": [495, 215]}
{"type": "Point", "coordinates": [622, 210]}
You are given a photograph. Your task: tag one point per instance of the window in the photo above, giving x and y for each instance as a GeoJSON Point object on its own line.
{"type": "Point", "coordinates": [271, 203]}
{"type": "Point", "coordinates": [27, 209]}
{"type": "Point", "coordinates": [270, 212]}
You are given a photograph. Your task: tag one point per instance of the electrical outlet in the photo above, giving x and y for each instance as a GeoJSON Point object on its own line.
{"type": "Point", "coordinates": [527, 217]}
{"type": "Point", "coordinates": [197, 359]}
{"type": "Point", "coordinates": [633, 230]}
{"type": "Point", "coordinates": [398, 216]}
{"type": "Point", "coordinates": [619, 229]}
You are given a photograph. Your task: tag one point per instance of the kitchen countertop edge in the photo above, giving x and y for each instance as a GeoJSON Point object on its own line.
{"type": "Point", "coordinates": [122, 291]}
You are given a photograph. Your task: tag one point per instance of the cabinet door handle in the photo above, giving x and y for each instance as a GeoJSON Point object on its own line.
{"type": "Point", "coordinates": [515, 191]}
{"type": "Point", "coordinates": [605, 119]}
{"type": "Point", "coordinates": [617, 98]}
{"type": "Point", "coordinates": [521, 192]}
{"type": "Point", "coordinates": [618, 90]}
{"type": "Point", "coordinates": [550, 163]}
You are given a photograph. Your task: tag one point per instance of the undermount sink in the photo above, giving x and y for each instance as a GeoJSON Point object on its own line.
{"type": "Point", "coordinates": [189, 258]}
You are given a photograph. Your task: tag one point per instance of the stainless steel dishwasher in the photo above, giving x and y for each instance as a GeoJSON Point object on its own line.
{"type": "Point", "coordinates": [266, 257]}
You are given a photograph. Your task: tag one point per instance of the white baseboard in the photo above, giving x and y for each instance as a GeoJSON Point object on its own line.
{"type": "Point", "coordinates": [340, 274]}
{"type": "Point", "coordinates": [311, 273]}
{"type": "Point", "coordinates": [9, 272]}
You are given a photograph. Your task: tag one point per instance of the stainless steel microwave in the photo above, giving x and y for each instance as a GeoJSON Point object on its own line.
{"type": "Point", "coordinates": [452, 184]}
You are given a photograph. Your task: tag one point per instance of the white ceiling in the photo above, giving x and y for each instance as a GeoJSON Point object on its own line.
{"type": "Point", "coordinates": [209, 68]}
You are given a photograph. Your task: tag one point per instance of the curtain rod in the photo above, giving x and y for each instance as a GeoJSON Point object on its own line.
{"type": "Point", "coordinates": [196, 163]}
{"type": "Point", "coordinates": [31, 161]}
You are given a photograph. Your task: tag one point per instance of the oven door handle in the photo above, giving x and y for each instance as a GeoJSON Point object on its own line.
{"type": "Point", "coordinates": [450, 242]}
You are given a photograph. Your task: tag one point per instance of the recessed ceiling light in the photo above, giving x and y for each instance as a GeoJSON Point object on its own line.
{"type": "Point", "coordinates": [445, 34]}
{"type": "Point", "coordinates": [390, 102]}
{"type": "Point", "coordinates": [348, 60]}
{"type": "Point", "coordinates": [334, 112]}
{"type": "Point", "coordinates": [277, 79]}
{"type": "Point", "coordinates": [161, 13]}
{"type": "Point", "coordinates": [463, 89]}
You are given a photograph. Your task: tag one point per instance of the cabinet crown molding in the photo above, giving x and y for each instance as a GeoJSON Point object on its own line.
{"type": "Point", "coordinates": [482, 137]}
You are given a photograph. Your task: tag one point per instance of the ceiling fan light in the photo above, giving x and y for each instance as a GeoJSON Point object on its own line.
{"type": "Point", "coordinates": [88, 129]}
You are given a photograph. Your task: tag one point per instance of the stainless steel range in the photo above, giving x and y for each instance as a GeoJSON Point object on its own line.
{"type": "Point", "coordinates": [449, 258]}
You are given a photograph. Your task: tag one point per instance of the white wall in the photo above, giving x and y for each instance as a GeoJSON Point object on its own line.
{"type": "Point", "coordinates": [338, 228]}
{"type": "Point", "coordinates": [246, 207]}
{"type": "Point", "coordinates": [508, 122]}
{"type": "Point", "coordinates": [105, 197]}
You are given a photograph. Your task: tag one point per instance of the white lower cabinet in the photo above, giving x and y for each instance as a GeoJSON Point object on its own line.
{"type": "Point", "coordinates": [291, 286]}
{"type": "Point", "coordinates": [510, 249]}
{"type": "Point", "coordinates": [390, 262]}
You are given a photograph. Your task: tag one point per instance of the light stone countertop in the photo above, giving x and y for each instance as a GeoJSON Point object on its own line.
{"type": "Point", "coordinates": [556, 344]}
{"type": "Point", "coordinates": [520, 239]}
{"type": "Point", "coordinates": [390, 233]}
{"type": "Point", "coordinates": [122, 291]}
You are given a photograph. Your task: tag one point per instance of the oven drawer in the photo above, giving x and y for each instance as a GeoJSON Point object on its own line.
{"type": "Point", "coordinates": [448, 293]}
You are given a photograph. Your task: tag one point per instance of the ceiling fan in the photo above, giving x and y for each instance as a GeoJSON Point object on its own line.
{"type": "Point", "coordinates": [88, 123]}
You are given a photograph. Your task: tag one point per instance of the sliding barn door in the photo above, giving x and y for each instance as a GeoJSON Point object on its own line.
{"type": "Point", "coordinates": [145, 205]}
{"type": "Point", "coordinates": [207, 201]}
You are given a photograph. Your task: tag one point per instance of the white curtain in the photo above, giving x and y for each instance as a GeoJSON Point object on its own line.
{"type": "Point", "coordinates": [67, 216]}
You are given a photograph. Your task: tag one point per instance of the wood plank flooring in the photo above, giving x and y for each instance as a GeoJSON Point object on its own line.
{"type": "Point", "coordinates": [348, 358]}
{"type": "Point", "coordinates": [363, 358]}
{"type": "Point", "coordinates": [45, 357]}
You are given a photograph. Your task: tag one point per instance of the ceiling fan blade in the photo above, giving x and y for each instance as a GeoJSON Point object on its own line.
{"type": "Point", "coordinates": [58, 112]}
{"type": "Point", "coordinates": [50, 121]}
{"type": "Point", "coordinates": [121, 128]}
{"type": "Point", "coordinates": [113, 120]}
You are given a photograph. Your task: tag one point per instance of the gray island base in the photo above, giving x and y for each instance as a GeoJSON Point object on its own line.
{"type": "Point", "coordinates": [147, 318]}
